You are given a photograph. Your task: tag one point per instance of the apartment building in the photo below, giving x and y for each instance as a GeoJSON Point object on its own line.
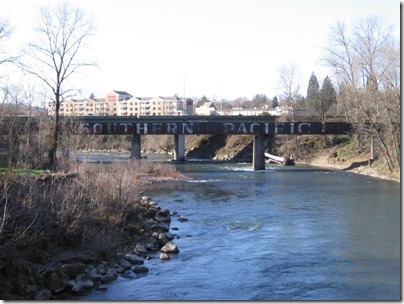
{"type": "Point", "coordinates": [120, 103]}
{"type": "Point", "coordinates": [78, 107]}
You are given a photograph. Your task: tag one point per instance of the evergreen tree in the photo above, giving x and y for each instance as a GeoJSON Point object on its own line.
{"type": "Point", "coordinates": [275, 102]}
{"type": "Point", "coordinates": [328, 97]}
{"type": "Point", "coordinates": [313, 94]}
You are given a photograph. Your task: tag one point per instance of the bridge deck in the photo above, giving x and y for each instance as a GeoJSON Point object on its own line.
{"type": "Point", "coordinates": [260, 125]}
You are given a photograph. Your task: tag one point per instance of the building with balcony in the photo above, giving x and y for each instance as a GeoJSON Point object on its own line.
{"type": "Point", "coordinates": [120, 103]}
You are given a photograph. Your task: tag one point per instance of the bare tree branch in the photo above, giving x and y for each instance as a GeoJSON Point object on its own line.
{"type": "Point", "coordinates": [55, 54]}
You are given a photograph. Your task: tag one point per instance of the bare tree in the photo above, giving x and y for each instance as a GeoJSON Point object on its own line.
{"type": "Point", "coordinates": [365, 63]}
{"type": "Point", "coordinates": [289, 83]}
{"type": "Point", "coordinates": [5, 33]}
{"type": "Point", "coordinates": [54, 56]}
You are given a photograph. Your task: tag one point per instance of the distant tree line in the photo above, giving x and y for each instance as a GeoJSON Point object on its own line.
{"type": "Point", "coordinates": [363, 87]}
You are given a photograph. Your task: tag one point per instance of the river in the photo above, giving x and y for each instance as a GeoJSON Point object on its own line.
{"type": "Point", "coordinates": [286, 233]}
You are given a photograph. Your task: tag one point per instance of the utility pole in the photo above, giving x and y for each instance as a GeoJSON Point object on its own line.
{"type": "Point", "coordinates": [184, 101]}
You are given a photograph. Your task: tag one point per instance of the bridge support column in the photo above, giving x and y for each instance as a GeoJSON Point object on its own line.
{"type": "Point", "coordinates": [135, 151]}
{"type": "Point", "coordinates": [179, 150]}
{"type": "Point", "coordinates": [259, 153]}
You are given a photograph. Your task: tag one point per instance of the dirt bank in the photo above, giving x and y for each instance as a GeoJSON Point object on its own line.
{"type": "Point", "coordinates": [357, 164]}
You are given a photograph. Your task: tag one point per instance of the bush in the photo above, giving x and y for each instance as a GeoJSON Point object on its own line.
{"type": "Point", "coordinates": [96, 207]}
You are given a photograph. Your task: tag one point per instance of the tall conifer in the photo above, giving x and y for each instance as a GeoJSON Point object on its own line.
{"type": "Point", "coordinates": [328, 97]}
{"type": "Point", "coordinates": [313, 94]}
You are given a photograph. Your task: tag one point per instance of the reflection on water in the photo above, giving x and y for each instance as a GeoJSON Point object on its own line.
{"type": "Point", "coordinates": [279, 234]}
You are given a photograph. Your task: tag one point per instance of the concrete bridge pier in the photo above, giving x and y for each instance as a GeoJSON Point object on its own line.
{"type": "Point", "coordinates": [135, 151]}
{"type": "Point", "coordinates": [259, 153]}
{"type": "Point", "coordinates": [179, 147]}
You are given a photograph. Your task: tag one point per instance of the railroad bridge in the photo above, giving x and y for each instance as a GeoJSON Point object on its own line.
{"type": "Point", "coordinates": [180, 126]}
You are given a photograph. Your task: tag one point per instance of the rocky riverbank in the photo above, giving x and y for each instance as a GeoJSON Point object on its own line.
{"type": "Point", "coordinates": [75, 273]}
{"type": "Point", "coordinates": [65, 234]}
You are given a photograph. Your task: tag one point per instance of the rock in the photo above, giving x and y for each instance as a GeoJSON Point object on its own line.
{"type": "Point", "coordinates": [149, 223]}
{"type": "Point", "coordinates": [140, 249]}
{"type": "Point", "coordinates": [170, 247]}
{"type": "Point", "coordinates": [162, 239]}
{"type": "Point", "coordinates": [31, 289]}
{"type": "Point", "coordinates": [140, 269]}
{"type": "Point", "coordinates": [43, 294]}
{"type": "Point", "coordinates": [152, 244]}
{"type": "Point", "coordinates": [108, 278]}
{"type": "Point", "coordinates": [72, 270]}
{"type": "Point", "coordinates": [90, 269]}
{"type": "Point", "coordinates": [161, 227]}
{"type": "Point", "coordinates": [183, 219]}
{"type": "Point", "coordinates": [145, 199]}
{"type": "Point", "coordinates": [128, 276]}
{"type": "Point", "coordinates": [77, 289]}
{"type": "Point", "coordinates": [101, 269]}
{"type": "Point", "coordinates": [164, 256]}
{"type": "Point", "coordinates": [169, 236]}
{"type": "Point", "coordinates": [102, 287]}
{"type": "Point", "coordinates": [134, 259]}
{"type": "Point", "coordinates": [112, 271]}
{"type": "Point", "coordinates": [126, 264]}
{"type": "Point", "coordinates": [163, 215]}
{"type": "Point", "coordinates": [87, 284]}
{"type": "Point", "coordinates": [54, 283]}
{"type": "Point", "coordinates": [96, 277]}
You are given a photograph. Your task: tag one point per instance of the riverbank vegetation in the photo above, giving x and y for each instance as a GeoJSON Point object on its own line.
{"type": "Point", "coordinates": [92, 209]}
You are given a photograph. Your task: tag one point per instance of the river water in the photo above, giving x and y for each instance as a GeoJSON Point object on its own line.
{"type": "Point", "coordinates": [286, 233]}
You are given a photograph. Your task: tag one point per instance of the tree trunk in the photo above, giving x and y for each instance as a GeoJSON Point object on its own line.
{"type": "Point", "coordinates": [385, 150]}
{"type": "Point", "coordinates": [393, 137]}
{"type": "Point", "coordinates": [55, 138]}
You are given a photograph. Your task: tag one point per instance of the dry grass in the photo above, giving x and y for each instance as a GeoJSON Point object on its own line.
{"type": "Point", "coordinates": [95, 208]}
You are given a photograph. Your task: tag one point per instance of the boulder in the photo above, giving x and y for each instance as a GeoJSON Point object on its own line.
{"type": "Point", "coordinates": [72, 270]}
{"type": "Point", "coordinates": [182, 219]}
{"type": "Point", "coordinates": [169, 236]}
{"type": "Point", "coordinates": [54, 283]}
{"type": "Point", "coordinates": [126, 264]}
{"type": "Point", "coordinates": [152, 244]}
{"type": "Point", "coordinates": [134, 259]}
{"type": "Point", "coordinates": [108, 278]}
{"type": "Point", "coordinates": [163, 240]}
{"type": "Point", "coordinates": [140, 269]}
{"type": "Point", "coordinates": [145, 199]}
{"type": "Point", "coordinates": [163, 215]}
{"type": "Point", "coordinates": [87, 284]}
{"type": "Point", "coordinates": [43, 295]}
{"type": "Point", "coordinates": [101, 269]}
{"type": "Point", "coordinates": [164, 256]}
{"type": "Point", "coordinates": [140, 249]}
{"type": "Point", "coordinates": [170, 247]}
{"type": "Point", "coordinates": [96, 277]}
{"type": "Point", "coordinates": [102, 287]}
{"type": "Point", "coordinates": [112, 271]}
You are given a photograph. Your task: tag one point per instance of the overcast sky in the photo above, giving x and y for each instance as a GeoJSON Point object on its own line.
{"type": "Point", "coordinates": [221, 48]}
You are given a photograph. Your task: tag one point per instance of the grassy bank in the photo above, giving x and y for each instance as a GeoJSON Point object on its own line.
{"type": "Point", "coordinates": [90, 209]}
